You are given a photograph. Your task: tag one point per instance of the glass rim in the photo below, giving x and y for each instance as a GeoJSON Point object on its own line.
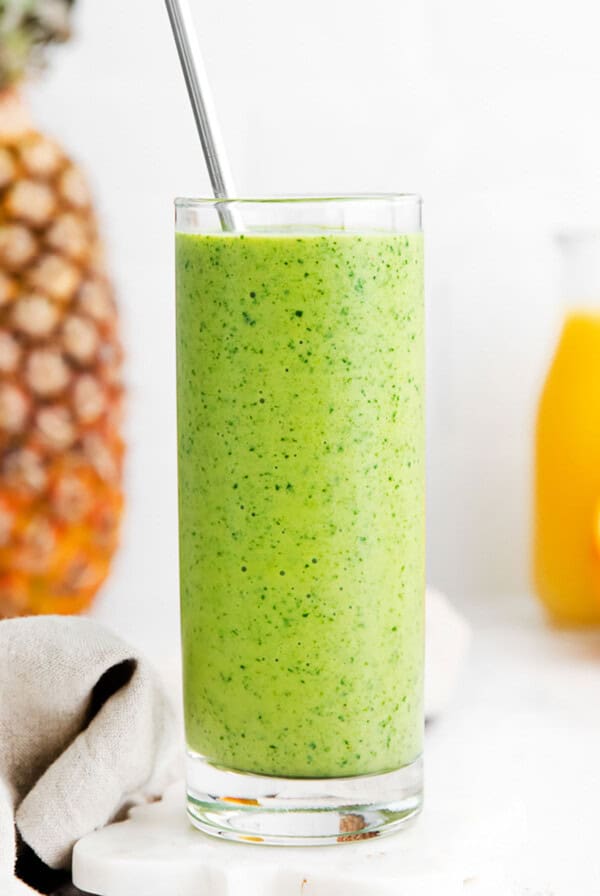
{"type": "Point", "coordinates": [300, 199]}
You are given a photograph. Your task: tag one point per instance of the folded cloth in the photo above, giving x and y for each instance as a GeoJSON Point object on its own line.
{"type": "Point", "coordinates": [86, 730]}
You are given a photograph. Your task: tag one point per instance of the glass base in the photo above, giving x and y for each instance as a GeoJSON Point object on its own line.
{"type": "Point", "coordinates": [300, 811]}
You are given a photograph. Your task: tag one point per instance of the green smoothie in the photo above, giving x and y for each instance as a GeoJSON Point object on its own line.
{"type": "Point", "coordinates": [301, 500]}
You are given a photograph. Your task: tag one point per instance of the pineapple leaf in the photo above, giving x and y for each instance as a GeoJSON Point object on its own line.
{"type": "Point", "coordinates": [27, 27]}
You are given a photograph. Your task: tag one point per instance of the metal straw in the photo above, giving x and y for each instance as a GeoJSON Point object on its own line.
{"type": "Point", "coordinates": [203, 107]}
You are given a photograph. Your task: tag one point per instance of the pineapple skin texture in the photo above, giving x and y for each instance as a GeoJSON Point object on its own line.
{"type": "Point", "coordinates": [61, 392]}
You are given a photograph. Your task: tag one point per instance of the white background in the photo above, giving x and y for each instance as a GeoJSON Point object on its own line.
{"type": "Point", "coordinates": [489, 108]}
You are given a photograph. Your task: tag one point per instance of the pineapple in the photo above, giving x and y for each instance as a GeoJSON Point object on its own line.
{"type": "Point", "coordinates": [60, 357]}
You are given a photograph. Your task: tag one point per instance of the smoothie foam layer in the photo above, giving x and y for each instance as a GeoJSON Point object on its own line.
{"type": "Point", "coordinates": [301, 465]}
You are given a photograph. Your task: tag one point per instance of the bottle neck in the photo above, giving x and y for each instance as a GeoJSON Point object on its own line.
{"type": "Point", "coordinates": [580, 271]}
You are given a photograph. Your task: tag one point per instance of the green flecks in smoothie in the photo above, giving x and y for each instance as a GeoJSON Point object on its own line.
{"type": "Point", "coordinates": [301, 500]}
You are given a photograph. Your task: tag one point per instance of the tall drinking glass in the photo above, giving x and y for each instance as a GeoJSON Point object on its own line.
{"type": "Point", "coordinates": [300, 379]}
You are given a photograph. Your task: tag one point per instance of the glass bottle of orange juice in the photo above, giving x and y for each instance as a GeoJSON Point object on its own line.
{"type": "Point", "coordinates": [567, 449]}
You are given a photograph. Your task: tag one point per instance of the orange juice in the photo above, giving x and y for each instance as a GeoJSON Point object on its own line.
{"type": "Point", "coordinates": [567, 477]}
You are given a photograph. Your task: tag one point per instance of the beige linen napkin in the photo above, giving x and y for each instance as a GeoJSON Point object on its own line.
{"type": "Point", "coordinates": [85, 731]}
